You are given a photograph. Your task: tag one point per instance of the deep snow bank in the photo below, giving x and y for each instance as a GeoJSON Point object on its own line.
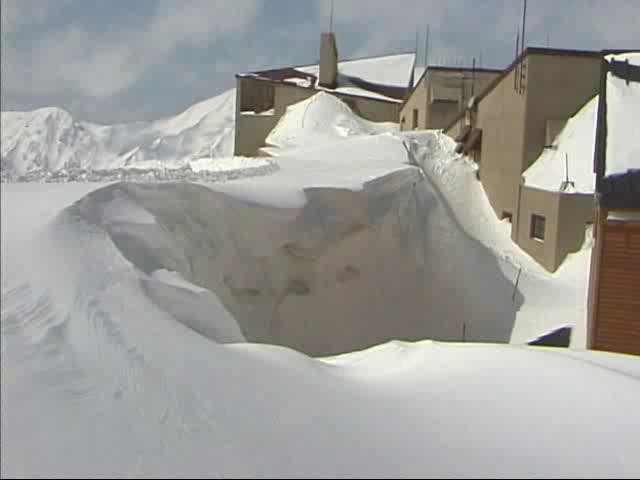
{"type": "Point", "coordinates": [95, 364]}
{"type": "Point", "coordinates": [320, 120]}
{"type": "Point", "coordinates": [313, 258]}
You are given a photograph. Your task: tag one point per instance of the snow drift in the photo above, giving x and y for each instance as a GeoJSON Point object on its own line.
{"type": "Point", "coordinates": [126, 311]}
{"type": "Point", "coordinates": [319, 120]}
{"type": "Point", "coordinates": [50, 140]}
{"type": "Point", "coordinates": [93, 363]}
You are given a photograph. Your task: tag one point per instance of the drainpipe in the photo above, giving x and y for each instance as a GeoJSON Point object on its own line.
{"type": "Point", "coordinates": [515, 227]}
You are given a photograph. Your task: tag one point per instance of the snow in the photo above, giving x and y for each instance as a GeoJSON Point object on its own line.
{"type": "Point", "coordinates": [360, 92]}
{"type": "Point", "coordinates": [302, 82]}
{"type": "Point", "coordinates": [576, 142]}
{"type": "Point", "coordinates": [320, 119]}
{"type": "Point", "coordinates": [176, 280]}
{"type": "Point", "coordinates": [623, 139]}
{"type": "Point", "coordinates": [49, 140]}
{"type": "Point", "coordinates": [127, 310]}
{"type": "Point", "coordinates": [632, 57]}
{"type": "Point", "coordinates": [548, 300]}
{"type": "Point", "coordinates": [390, 70]}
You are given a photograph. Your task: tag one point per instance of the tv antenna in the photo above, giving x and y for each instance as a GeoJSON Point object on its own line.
{"type": "Point", "coordinates": [426, 49]}
{"type": "Point", "coordinates": [524, 23]}
{"type": "Point", "coordinates": [331, 18]}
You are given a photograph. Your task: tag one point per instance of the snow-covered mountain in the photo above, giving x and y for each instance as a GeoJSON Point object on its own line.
{"type": "Point", "coordinates": [50, 140]}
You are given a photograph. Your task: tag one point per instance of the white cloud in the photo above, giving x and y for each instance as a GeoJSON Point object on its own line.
{"type": "Point", "coordinates": [100, 65]}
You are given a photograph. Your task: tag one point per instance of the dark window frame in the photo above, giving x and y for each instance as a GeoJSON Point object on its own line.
{"type": "Point", "coordinates": [538, 227]}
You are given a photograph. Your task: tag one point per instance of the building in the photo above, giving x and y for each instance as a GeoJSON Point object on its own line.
{"type": "Point", "coordinates": [614, 282]}
{"type": "Point", "coordinates": [373, 87]}
{"type": "Point", "coordinates": [441, 94]}
{"type": "Point", "coordinates": [506, 128]}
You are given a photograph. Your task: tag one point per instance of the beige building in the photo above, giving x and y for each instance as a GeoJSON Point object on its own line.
{"type": "Point", "coordinates": [441, 94]}
{"type": "Point", "coordinates": [506, 128]}
{"type": "Point", "coordinates": [373, 87]}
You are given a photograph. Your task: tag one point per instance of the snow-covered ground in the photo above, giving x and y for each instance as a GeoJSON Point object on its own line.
{"type": "Point", "coordinates": [126, 311]}
{"type": "Point", "coordinates": [49, 144]}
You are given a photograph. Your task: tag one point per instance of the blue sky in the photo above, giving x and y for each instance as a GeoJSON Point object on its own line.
{"type": "Point", "coordinates": [119, 61]}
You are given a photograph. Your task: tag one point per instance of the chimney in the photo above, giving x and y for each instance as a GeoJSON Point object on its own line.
{"type": "Point", "coordinates": [328, 60]}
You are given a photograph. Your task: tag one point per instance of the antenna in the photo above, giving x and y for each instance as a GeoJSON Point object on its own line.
{"type": "Point", "coordinates": [480, 60]}
{"type": "Point", "coordinates": [524, 24]}
{"type": "Point", "coordinates": [518, 43]}
{"type": "Point", "coordinates": [331, 18]}
{"type": "Point", "coordinates": [473, 76]}
{"type": "Point", "coordinates": [566, 167]}
{"type": "Point", "coordinates": [416, 48]}
{"type": "Point", "coordinates": [548, 43]}
{"type": "Point", "coordinates": [426, 49]}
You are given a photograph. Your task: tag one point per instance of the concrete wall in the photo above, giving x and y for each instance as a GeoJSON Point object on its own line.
{"type": "Point", "coordinates": [557, 87]}
{"type": "Point", "coordinates": [566, 217]}
{"type": "Point", "coordinates": [417, 100]}
{"type": "Point", "coordinates": [441, 95]}
{"type": "Point", "coordinates": [501, 117]}
{"type": "Point", "coordinates": [546, 204]}
{"type": "Point", "coordinates": [576, 211]}
{"type": "Point", "coordinates": [251, 132]}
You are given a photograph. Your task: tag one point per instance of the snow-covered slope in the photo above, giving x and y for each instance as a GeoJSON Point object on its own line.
{"type": "Point", "coordinates": [574, 147]}
{"type": "Point", "coordinates": [50, 140]}
{"type": "Point", "coordinates": [119, 355]}
{"type": "Point", "coordinates": [319, 120]}
{"type": "Point", "coordinates": [126, 311]}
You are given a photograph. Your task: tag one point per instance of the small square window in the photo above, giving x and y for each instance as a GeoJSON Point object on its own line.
{"type": "Point", "coordinates": [537, 227]}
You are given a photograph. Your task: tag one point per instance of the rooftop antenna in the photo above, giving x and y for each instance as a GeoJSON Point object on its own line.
{"type": "Point", "coordinates": [331, 18]}
{"type": "Point", "coordinates": [426, 49]}
{"type": "Point", "coordinates": [567, 183]}
{"type": "Point", "coordinates": [473, 76]}
{"type": "Point", "coordinates": [480, 60]}
{"type": "Point", "coordinates": [524, 24]}
{"type": "Point", "coordinates": [548, 42]}
{"type": "Point", "coordinates": [416, 47]}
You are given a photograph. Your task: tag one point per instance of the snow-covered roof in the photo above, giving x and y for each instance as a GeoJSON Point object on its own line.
{"type": "Point", "coordinates": [574, 147]}
{"type": "Point", "coordinates": [632, 57]}
{"type": "Point", "coordinates": [389, 70]}
{"type": "Point", "coordinates": [623, 110]}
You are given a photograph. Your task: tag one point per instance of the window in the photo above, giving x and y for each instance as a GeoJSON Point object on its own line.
{"type": "Point", "coordinates": [415, 119]}
{"type": "Point", "coordinates": [537, 227]}
{"type": "Point", "coordinates": [507, 215]}
{"type": "Point", "coordinates": [403, 123]}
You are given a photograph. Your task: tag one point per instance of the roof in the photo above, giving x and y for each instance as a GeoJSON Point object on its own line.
{"type": "Point", "coordinates": [388, 70]}
{"type": "Point", "coordinates": [528, 51]}
{"type": "Point", "coordinates": [616, 161]}
{"type": "Point", "coordinates": [421, 71]}
{"type": "Point", "coordinates": [385, 78]}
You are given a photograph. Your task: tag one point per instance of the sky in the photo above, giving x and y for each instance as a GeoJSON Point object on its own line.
{"type": "Point", "coordinates": [120, 61]}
